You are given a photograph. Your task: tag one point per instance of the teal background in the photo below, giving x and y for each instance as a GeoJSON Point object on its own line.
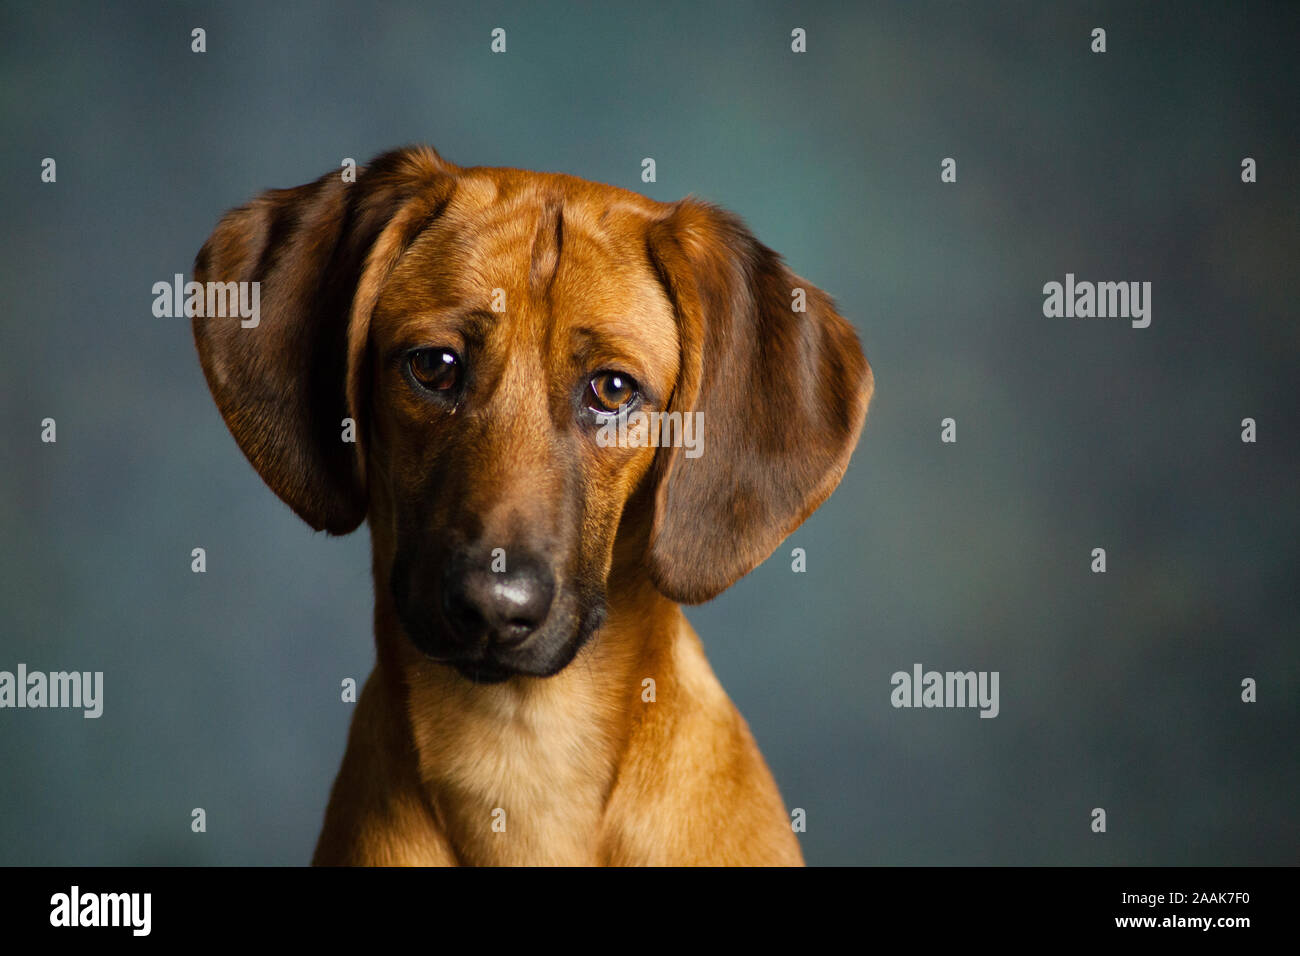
{"type": "Point", "coordinates": [1118, 691]}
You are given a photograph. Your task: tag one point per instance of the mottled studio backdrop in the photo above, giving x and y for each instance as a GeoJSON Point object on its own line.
{"type": "Point", "coordinates": [1119, 690]}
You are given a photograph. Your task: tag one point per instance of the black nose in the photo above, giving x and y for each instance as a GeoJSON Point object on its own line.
{"type": "Point", "coordinates": [499, 607]}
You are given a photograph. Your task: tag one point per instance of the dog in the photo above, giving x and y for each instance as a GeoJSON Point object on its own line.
{"type": "Point", "coordinates": [438, 351]}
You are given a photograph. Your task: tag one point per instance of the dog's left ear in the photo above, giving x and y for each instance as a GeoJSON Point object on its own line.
{"type": "Point", "coordinates": [781, 385]}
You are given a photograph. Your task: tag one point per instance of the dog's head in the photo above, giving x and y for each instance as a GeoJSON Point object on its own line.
{"type": "Point", "coordinates": [469, 358]}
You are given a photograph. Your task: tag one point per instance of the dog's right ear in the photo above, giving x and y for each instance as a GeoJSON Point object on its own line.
{"type": "Point", "coordinates": [285, 384]}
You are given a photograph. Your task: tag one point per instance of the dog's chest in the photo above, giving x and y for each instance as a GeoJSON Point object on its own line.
{"type": "Point", "coordinates": [519, 775]}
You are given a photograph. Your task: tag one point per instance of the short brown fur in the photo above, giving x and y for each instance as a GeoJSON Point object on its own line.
{"type": "Point", "coordinates": [578, 765]}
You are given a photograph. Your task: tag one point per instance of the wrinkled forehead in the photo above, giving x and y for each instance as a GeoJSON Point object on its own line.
{"type": "Point", "coordinates": [542, 254]}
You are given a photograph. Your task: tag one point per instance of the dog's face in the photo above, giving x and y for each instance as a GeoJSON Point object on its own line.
{"type": "Point", "coordinates": [512, 329]}
{"type": "Point", "coordinates": [487, 331]}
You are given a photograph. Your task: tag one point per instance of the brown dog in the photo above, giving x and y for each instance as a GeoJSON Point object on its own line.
{"type": "Point", "coordinates": [480, 327]}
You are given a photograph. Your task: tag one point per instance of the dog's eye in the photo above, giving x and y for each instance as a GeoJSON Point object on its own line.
{"type": "Point", "coordinates": [611, 391]}
{"type": "Point", "coordinates": [438, 370]}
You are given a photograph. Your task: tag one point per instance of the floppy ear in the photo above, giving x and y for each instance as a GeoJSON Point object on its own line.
{"type": "Point", "coordinates": [284, 385]}
{"type": "Point", "coordinates": [783, 394]}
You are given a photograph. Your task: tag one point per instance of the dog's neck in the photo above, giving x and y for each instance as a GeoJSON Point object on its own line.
{"type": "Point", "coordinates": [533, 755]}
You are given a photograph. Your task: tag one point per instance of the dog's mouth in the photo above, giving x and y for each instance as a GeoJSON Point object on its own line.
{"type": "Point", "coordinates": [546, 654]}
{"type": "Point", "coordinates": [476, 670]}
{"type": "Point", "coordinates": [484, 672]}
